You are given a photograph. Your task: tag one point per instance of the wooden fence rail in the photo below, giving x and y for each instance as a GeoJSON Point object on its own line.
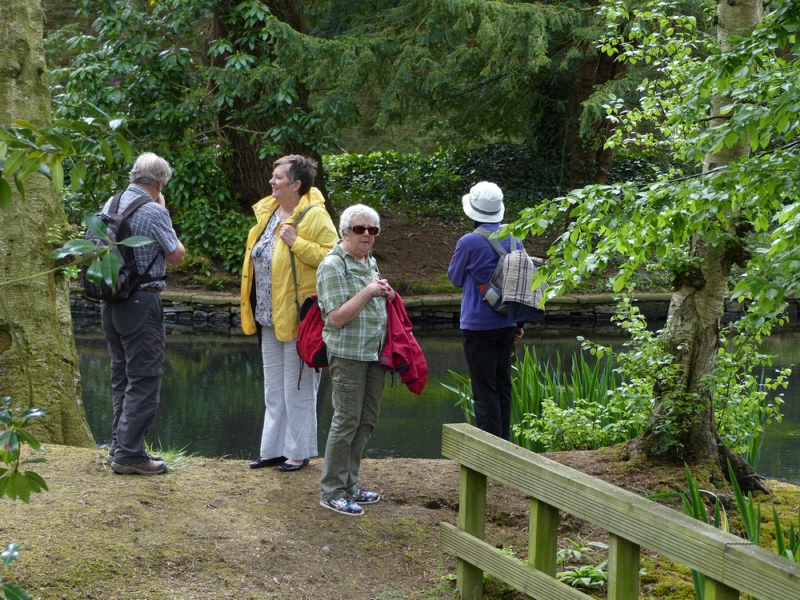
{"type": "Point", "coordinates": [731, 564]}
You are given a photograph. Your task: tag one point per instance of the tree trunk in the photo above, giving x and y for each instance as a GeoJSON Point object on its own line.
{"type": "Point", "coordinates": [249, 174]}
{"type": "Point", "coordinates": [36, 339]}
{"type": "Point", "coordinates": [682, 424]}
{"type": "Point", "coordinates": [589, 161]}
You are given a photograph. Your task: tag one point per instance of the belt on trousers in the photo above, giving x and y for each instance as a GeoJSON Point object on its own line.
{"type": "Point", "coordinates": [155, 290]}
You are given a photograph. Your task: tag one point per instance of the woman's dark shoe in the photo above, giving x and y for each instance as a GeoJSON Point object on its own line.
{"type": "Point", "coordinates": [267, 462]}
{"type": "Point", "coordinates": [287, 467]}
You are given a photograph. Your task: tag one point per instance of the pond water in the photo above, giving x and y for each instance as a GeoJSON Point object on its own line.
{"type": "Point", "coordinates": [212, 395]}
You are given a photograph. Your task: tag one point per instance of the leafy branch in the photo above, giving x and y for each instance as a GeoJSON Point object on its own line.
{"type": "Point", "coordinates": [26, 149]}
{"type": "Point", "coordinates": [14, 482]}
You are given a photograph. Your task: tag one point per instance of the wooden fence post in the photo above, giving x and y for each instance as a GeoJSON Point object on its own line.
{"type": "Point", "coordinates": [472, 520]}
{"type": "Point", "coordinates": [714, 590]}
{"type": "Point", "coordinates": [623, 569]}
{"type": "Point", "coordinates": [543, 537]}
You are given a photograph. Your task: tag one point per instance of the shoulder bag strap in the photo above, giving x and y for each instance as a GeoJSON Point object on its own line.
{"type": "Point", "coordinates": [291, 259]}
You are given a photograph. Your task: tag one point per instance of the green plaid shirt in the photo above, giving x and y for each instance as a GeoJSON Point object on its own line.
{"type": "Point", "coordinates": [363, 337]}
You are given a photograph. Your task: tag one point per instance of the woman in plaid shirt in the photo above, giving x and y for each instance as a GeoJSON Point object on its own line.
{"type": "Point", "coordinates": [352, 299]}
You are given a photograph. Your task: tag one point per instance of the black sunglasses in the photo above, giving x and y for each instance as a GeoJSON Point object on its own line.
{"type": "Point", "coordinates": [360, 229]}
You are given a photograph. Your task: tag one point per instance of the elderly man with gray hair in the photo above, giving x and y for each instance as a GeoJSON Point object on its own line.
{"type": "Point", "coordinates": [134, 327]}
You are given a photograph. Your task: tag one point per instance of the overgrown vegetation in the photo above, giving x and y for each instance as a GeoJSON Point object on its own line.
{"type": "Point", "coordinates": [609, 402]}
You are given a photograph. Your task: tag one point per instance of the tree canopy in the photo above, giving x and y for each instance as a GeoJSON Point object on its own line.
{"type": "Point", "coordinates": [724, 214]}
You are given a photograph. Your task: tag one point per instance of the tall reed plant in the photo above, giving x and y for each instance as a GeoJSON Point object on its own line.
{"type": "Point", "coordinates": [551, 408]}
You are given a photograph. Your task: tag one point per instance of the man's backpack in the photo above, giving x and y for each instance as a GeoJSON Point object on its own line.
{"type": "Point", "coordinates": [508, 291]}
{"type": "Point", "coordinates": [310, 345]}
{"type": "Point", "coordinates": [129, 278]}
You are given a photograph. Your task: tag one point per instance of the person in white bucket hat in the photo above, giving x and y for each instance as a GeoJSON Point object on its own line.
{"type": "Point", "coordinates": [484, 203]}
{"type": "Point", "coordinates": [487, 336]}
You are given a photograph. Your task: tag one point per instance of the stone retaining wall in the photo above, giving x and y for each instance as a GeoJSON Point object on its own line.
{"type": "Point", "coordinates": [187, 310]}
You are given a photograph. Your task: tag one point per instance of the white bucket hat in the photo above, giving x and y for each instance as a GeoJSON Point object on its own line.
{"type": "Point", "coordinates": [484, 203]}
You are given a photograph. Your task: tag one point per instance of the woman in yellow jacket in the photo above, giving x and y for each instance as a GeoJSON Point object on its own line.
{"type": "Point", "coordinates": [272, 290]}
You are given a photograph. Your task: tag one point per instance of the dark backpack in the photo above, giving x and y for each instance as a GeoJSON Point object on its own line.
{"type": "Point", "coordinates": [310, 346]}
{"type": "Point", "coordinates": [492, 290]}
{"type": "Point", "coordinates": [94, 280]}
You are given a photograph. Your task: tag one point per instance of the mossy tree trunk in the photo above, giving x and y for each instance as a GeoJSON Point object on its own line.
{"type": "Point", "coordinates": [37, 348]}
{"type": "Point", "coordinates": [682, 424]}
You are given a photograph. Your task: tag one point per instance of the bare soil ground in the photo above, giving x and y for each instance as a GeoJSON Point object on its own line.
{"type": "Point", "coordinates": [213, 528]}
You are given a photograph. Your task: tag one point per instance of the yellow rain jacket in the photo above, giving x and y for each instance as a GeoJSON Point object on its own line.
{"type": "Point", "coordinates": [316, 235]}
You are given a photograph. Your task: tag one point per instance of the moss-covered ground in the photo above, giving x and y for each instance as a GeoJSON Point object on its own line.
{"type": "Point", "coordinates": [213, 528]}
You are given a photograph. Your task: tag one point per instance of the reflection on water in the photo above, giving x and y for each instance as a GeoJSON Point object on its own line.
{"type": "Point", "coordinates": [212, 395]}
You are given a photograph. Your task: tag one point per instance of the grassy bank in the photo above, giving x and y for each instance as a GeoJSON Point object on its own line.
{"type": "Point", "coordinates": [213, 528]}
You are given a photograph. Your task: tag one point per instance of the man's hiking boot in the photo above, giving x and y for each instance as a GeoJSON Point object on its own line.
{"type": "Point", "coordinates": [155, 457]}
{"type": "Point", "coordinates": [148, 467]}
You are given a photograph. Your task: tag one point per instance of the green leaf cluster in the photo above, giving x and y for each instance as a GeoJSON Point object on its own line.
{"type": "Point", "coordinates": [26, 149]}
{"type": "Point", "coordinates": [146, 62]}
{"type": "Point", "coordinates": [15, 483]}
{"type": "Point", "coordinates": [608, 402]}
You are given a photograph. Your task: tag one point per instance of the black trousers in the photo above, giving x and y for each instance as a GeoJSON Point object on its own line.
{"type": "Point", "coordinates": [489, 362]}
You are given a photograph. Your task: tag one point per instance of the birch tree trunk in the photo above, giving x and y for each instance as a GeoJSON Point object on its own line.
{"type": "Point", "coordinates": [682, 424]}
{"type": "Point", "coordinates": [37, 348]}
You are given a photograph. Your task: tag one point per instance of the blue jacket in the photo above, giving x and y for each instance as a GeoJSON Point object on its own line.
{"type": "Point", "coordinates": [472, 265]}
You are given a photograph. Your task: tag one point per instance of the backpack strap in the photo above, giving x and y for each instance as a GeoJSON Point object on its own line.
{"type": "Point", "coordinates": [131, 208]}
{"type": "Point", "coordinates": [135, 205]}
{"type": "Point", "coordinates": [498, 247]}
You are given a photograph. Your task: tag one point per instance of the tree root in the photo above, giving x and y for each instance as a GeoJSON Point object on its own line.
{"type": "Point", "coordinates": [749, 480]}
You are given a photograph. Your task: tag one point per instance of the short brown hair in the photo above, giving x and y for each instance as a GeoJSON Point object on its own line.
{"type": "Point", "coordinates": [301, 168]}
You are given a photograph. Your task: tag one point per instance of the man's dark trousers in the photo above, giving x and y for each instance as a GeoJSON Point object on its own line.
{"type": "Point", "coordinates": [136, 338]}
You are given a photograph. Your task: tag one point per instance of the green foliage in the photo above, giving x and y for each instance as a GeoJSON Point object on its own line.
{"type": "Point", "coordinates": [576, 552]}
{"type": "Point", "coordinates": [467, 69]}
{"type": "Point", "coordinates": [792, 549]}
{"type": "Point", "coordinates": [575, 412]}
{"type": "Point", "coordinates": [141, 64]}
{"type": "Point", "coordinates": [388, 180]}
{"type": "Point", "coordinates": [610, 402]}
{"type": "Point", "coordinates": [744, 404]}
{"type": "Point", "coordinates": [585, 576]}
{"type": "Point", "coordinates": [14, 482]}
{"type": "Point", "coordinates": [750, 512]}
{"type": "Point", "coordinates": [60, 152]}
{"type": "Point", "coordinates": [638, 222]}
{"type": "Point", "coordinates": [463, 389]}
{"type": "Point", "coordinates": [550, 411]}
{"type": "Point", "coordinates": [578, 562]}
{"type": "Point", "coordinates": [646, 364]}
{"type": "Point", "coordinates": [433, 186]}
